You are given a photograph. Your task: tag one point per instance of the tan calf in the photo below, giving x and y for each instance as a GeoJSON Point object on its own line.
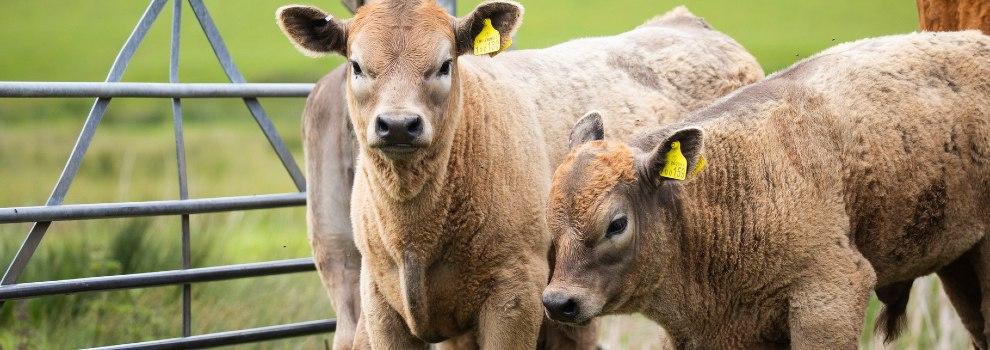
{"type": "Point", "coordinates": [863, 167]}
{"type": "Point", "coordinates": [455, 154]}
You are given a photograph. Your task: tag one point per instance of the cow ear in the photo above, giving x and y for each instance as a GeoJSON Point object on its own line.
{"type": "Point", "coordinates": [312, 31]}
{"type": "Point", "coordinates": [664, 162]}
{"type": "Point", "coordinates": [588, 128]}
{"type": "Point", "coordinates": [505, 16]}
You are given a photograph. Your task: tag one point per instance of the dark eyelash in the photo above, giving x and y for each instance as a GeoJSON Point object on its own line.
{"type": "Point", "coordinates": [444, 68]}
{"type": "Point", "coordinates": [356, 68]}
{"type": "Point", "coordinates": [616, 227]}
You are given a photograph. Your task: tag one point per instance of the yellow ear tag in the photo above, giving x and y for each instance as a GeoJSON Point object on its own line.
{"type": "Point", "coordinates": [488, 40]}
{"type": "Point", "coordinates": [699, 166]}
{"type": "Point", "coordinates": [676, 165]}
{"type": "Point", "coordinates": [506, 45]}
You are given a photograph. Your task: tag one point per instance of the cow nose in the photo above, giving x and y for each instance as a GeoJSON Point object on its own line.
{"type": "Point", "coordinates": [561, 307]}
{"type": "Point", "coordinates": [398, 129]}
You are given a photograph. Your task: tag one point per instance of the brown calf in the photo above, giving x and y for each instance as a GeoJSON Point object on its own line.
{"type": "Point", "coordinates": [861, 168]}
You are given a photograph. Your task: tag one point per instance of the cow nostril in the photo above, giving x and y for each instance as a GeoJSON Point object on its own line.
{"type": "Point", "coordinates": [569, 308]}
{"type": "Point", "coordinates": [562, 308]}
{"type": "Point", "coordinates": [415, 127]}
{"type": "Point", "coordinates": [381, 127]}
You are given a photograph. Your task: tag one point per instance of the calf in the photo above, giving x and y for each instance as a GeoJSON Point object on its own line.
{"type": "Point", "coordinates": [861, 168]}
{"type": "Point", "coordinates": [455, 153]}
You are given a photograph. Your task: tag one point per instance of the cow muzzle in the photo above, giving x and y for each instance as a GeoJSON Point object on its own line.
{"type": "Point", "coordinates": [397, 134]}
{"type": "Point", "coordinates": [567, 307]}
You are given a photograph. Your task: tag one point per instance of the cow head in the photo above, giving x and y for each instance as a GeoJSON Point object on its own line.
{"type": "Point", "coordinates": [403, 84]}
{"type": "Point", "coordinates": [609, 213]}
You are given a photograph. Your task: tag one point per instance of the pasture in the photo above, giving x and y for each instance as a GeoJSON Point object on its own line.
{"type": "Point", "coordinates": [132, 157]}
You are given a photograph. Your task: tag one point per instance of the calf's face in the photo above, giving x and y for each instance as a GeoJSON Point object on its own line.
{"type": "Point", "coordinates": [402, 87]}
{"type": "Point", "coordinates": [609, 209]}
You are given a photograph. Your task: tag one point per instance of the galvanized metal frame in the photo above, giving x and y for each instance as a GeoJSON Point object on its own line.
{"type": "Point", "coordinates": [243, 336]}
{"type": "Point", "coordinates": [82, 143]}
{"type": "Point", "coordinates": [220, 49]}
{"type": "Point", "coordinates": [180, 160]}
{"type": "Point", "coordinates": [152, 208]}
{"type": "Point", "coordinates": [54, 210]}
{"type": "Point", "coordinates": [154, 279]}
{"type": "Point", "coordinates": [165, 90]}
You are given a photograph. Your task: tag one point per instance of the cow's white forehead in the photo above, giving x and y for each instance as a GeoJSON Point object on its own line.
{"type": "Point", "coordinates": [439, 44]}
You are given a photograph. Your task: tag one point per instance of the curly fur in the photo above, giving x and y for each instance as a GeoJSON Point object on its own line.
{"type": "Point", "coordinates": [861, 168]}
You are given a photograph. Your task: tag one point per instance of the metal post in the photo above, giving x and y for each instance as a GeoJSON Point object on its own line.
{"type": "Point", "coordinates": [180, 160]}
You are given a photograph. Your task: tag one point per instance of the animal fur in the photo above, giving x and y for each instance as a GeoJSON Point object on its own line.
{"type": "Point", "coordinates": [861, 168]}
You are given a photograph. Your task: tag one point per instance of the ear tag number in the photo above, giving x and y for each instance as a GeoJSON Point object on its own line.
{"type": "Point", "coordinates": [488, 40]}
{"type": "Point", "coordinates": [676, 165]}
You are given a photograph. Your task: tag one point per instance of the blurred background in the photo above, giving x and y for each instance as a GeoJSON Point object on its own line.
{"type": "Point", "coordinates": [133, 158]}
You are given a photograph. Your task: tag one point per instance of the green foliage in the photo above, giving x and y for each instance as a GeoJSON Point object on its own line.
{"type": "Point", "coordinates": [133, 157]}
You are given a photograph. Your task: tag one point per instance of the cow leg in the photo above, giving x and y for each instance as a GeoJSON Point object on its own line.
{"type": "Point", "coordinates": [329, 147]}
{"type": "Point", "coordinates": [338, 263]}
{"type": "Point", "coordinates": [512, 315]}
{"type": "Point", "coordinates": [962, 284]}
{"type": "Point", "coordinates": [981, 266]}
{"type": "Point", "coordinates": [361, 341]}
{"type": "Point", "coordinates": [384, 327]}
{"type": "Point", "coordinates": [827, 304]}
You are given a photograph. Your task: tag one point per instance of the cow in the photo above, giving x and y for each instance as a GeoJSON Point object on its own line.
{"type": "Point", "coordinates": [766, 219]}
{"type": "Point", "coordinates": [450, 156]}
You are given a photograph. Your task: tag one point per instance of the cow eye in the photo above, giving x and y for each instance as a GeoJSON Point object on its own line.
{"type": "Point", "coordinates": [444, 68]}
{"type": "Point", "coordinates": [616, 227]}
{"type": "Point", "coordinates": [356, 68]}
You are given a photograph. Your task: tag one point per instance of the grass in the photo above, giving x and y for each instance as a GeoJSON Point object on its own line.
{"type": "Point", "coordinates": [132, 157]}
{"type": "Point", "coordinates": [233, 162]}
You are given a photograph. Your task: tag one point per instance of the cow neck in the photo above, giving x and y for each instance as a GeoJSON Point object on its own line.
{"type": "Point", "coordinates": [406, 180]}
{"type": "Point", "coordinates": [427, 222]}
{"type": "Point", "coordinates": [710, 253]}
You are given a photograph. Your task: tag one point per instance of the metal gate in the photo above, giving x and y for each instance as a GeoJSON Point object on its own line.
{"type": "Point", "coordinates": [53, 210]}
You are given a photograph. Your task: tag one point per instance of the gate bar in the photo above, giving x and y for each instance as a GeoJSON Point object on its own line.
{"type": "Point", "coordinates": [234, 337]}
{"type": "Point", "coordinates": [180, 162]}
{"type": "Point", "coordinates": [99, 108]}
{"type": "Point", "coordinates": [155, 279]}
{"type": "Point", "coordinates": [37, 89]}
{"type": "Point", "coordinates": [151, 208]}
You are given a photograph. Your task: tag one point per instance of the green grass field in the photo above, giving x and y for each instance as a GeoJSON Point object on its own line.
{"type": "Point", "coordinates": [132, 157]}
